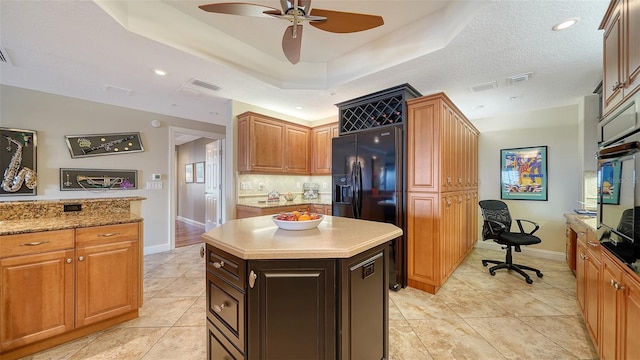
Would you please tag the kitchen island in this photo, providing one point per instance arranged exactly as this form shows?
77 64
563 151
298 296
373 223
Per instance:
313 294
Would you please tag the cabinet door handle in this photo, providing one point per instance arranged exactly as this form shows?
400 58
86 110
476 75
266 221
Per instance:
612 282
109 234
80 258
202 252
219 308
252 279
218 265
619 287
69 260
35 243
593 244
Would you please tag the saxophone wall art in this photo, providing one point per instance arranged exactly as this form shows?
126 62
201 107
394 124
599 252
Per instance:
18 159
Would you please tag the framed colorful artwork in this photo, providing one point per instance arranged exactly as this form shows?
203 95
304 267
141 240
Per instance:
523 173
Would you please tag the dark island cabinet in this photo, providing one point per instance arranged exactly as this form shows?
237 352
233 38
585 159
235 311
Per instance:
297 309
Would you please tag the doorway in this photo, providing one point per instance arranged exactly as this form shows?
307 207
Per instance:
201 193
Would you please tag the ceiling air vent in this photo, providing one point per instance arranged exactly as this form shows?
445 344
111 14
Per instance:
519 78
205 85
4 56
485 86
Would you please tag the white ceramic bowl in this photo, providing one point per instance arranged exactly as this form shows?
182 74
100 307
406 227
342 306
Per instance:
297 225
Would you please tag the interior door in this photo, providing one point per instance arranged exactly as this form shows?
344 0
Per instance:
213 185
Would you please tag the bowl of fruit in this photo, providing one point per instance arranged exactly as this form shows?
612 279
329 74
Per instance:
289 197
297 220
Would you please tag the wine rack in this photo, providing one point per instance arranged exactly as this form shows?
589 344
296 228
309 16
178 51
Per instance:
383 108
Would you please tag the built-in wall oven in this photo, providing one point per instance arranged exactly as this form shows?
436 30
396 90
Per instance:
618 188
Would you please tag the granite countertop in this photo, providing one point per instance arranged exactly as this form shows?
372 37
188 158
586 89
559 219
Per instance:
588 220
9 227
270 204
335 237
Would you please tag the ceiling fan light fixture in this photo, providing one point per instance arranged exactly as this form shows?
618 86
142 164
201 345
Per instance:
564 24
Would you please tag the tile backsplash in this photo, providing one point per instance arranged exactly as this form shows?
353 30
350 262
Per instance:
254 185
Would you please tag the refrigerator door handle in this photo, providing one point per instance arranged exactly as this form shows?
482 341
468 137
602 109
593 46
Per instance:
354 190
359 191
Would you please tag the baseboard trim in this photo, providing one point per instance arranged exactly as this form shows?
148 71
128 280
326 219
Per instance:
539 253
148 250
190 221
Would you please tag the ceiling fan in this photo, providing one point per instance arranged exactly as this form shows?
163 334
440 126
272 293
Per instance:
297 12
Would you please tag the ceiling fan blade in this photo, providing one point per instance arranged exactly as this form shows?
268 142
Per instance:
291 45
345 22
243 9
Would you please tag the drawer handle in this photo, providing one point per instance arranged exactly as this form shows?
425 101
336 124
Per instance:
593 244
35 243
219 308
218 265
109 234
202 252
252 279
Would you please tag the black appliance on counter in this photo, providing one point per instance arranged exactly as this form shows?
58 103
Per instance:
367 180
619 198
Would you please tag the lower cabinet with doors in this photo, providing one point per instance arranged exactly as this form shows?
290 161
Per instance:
62 284
620 310
297 309
588 269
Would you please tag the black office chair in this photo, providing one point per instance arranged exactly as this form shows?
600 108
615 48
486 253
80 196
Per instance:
497 226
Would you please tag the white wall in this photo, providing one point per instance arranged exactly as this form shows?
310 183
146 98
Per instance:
558 130
54 116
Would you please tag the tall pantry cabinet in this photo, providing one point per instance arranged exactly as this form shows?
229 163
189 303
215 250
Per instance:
442 190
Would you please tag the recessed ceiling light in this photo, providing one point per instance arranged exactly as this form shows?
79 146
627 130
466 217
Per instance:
565 24
160 72
299 107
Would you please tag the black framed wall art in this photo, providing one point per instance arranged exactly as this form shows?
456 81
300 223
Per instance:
103 144
98 179
18 162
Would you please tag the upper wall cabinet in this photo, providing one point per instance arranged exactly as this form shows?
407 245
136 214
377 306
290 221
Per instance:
321 148
621 49
269 145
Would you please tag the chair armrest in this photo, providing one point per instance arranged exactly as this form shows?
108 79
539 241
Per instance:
495 227
519 221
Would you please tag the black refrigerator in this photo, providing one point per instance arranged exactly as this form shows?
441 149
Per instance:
367 180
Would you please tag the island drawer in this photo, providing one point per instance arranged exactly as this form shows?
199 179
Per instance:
226 310
107 234
227 266
219 347
34 243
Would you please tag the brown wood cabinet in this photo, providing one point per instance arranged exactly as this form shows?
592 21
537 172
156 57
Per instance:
321 148
442 182
620 310
270 145
300 304
588 267
107 277
36 289
63 284
621 49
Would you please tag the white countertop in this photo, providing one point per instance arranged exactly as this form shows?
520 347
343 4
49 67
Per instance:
335 237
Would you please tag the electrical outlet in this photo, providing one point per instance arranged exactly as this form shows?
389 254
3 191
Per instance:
244 185
298 186
324 185
260 186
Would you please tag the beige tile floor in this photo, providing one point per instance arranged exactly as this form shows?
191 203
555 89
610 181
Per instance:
473 316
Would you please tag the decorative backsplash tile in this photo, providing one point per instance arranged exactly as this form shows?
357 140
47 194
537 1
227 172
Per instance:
250 185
